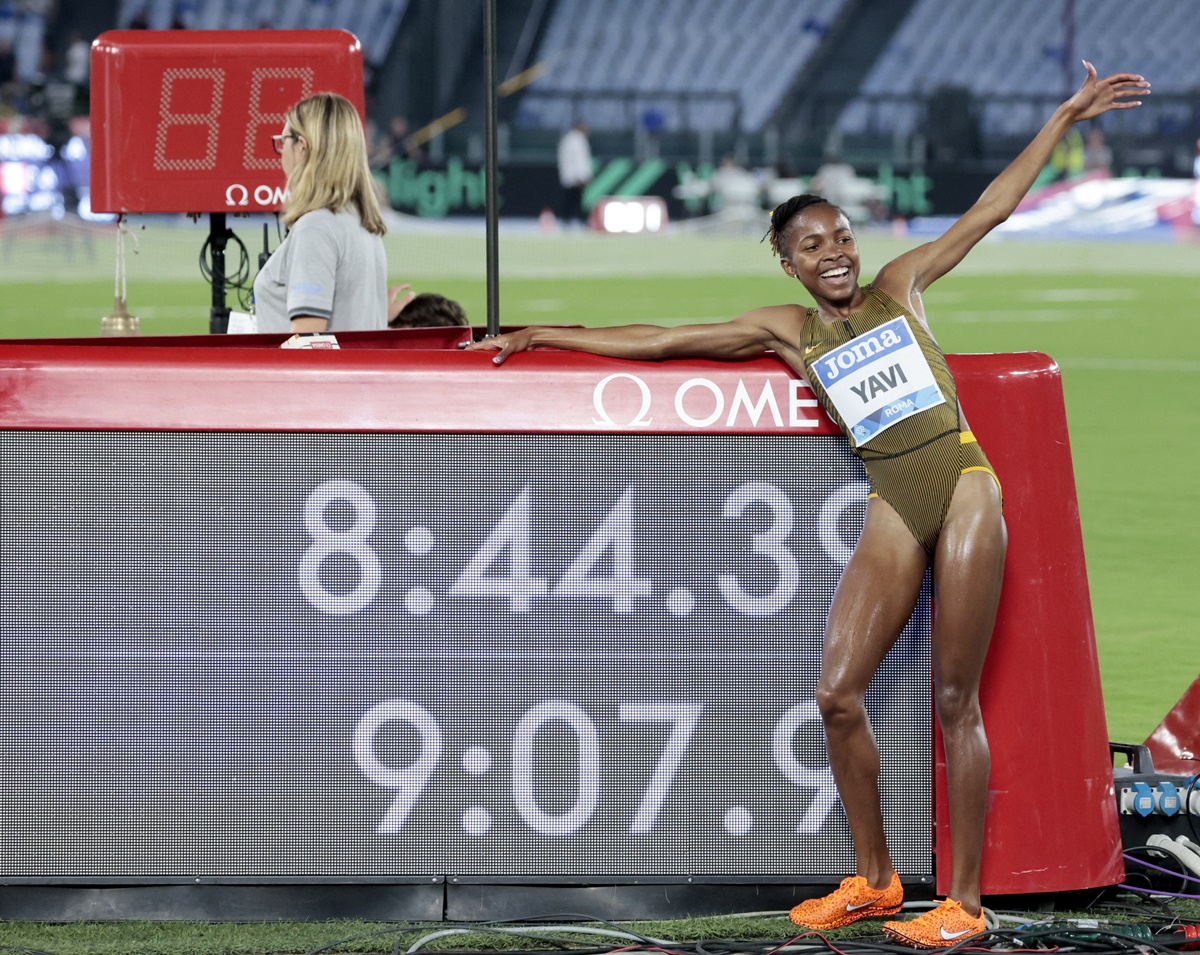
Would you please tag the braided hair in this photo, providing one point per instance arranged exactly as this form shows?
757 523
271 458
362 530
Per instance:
785 212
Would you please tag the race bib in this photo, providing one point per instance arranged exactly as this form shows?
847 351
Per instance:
878 379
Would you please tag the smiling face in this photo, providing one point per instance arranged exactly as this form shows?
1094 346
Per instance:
819 249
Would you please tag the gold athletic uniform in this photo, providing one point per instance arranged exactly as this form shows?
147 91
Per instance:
915 464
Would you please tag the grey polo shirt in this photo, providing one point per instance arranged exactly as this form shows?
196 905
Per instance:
329 267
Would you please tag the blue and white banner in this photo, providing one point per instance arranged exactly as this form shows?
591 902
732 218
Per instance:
878 379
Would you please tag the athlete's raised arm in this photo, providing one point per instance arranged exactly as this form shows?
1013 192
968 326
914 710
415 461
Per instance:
916 270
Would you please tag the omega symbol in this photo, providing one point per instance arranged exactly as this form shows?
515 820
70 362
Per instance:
638 419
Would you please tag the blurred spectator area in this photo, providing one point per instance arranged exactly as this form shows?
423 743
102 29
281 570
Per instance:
897 81
798 79
672 64
23 25
1016 59
374 22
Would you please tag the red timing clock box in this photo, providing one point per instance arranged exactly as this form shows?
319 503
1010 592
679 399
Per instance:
182 120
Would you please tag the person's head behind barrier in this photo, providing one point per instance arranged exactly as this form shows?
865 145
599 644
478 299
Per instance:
429 310
329 168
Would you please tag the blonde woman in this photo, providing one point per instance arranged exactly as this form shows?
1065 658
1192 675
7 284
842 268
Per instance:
330 273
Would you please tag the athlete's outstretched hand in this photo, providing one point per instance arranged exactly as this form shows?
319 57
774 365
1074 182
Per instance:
507 344
1097 96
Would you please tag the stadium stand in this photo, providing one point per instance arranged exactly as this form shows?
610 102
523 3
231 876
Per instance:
696 81
1020 49
696 64
23 28
374 22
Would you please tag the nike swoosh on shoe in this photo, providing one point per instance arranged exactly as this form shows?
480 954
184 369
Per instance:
861 905
951 936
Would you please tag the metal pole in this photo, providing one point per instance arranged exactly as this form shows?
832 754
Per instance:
1068 54
218 321
490 162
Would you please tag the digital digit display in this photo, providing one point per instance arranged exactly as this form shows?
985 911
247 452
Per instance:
182 120
404 656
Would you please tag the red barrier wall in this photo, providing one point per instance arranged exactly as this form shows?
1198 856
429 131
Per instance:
1052 821
1052 818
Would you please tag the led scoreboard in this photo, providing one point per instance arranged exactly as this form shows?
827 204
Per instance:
404 618
182 120
583 650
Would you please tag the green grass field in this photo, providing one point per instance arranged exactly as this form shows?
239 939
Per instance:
1120 319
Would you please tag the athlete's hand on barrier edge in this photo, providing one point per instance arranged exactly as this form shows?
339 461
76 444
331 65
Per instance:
506 344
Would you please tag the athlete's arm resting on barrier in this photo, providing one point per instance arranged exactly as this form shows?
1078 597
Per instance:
747 336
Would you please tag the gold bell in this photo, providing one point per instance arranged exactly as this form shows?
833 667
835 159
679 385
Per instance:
120 323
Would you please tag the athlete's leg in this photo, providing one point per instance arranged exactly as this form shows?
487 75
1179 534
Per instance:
873 602
967 571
